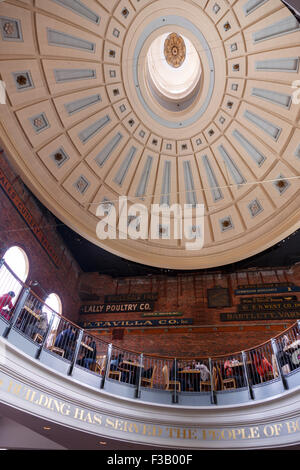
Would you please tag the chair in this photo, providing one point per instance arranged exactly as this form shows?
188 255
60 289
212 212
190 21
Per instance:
38 338
206 385
268 375
274 365
55 349
148 381
228 383
114 374
99 364
170 383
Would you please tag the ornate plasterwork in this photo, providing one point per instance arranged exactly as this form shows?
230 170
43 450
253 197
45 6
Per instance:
174 50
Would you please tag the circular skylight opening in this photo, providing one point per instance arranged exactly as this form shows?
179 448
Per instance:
174 69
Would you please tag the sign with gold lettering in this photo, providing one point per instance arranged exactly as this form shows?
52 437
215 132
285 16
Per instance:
118 308
266 285
94 325
267 290
31 399
269 306
253 316
28 218
256 300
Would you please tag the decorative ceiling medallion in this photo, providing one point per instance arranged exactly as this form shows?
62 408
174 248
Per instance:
175 50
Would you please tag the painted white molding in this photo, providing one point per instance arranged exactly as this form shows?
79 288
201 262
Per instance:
31 387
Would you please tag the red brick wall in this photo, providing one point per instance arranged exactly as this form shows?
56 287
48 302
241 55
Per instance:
187 294
14 231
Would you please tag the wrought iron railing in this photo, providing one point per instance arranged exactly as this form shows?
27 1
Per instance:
37 322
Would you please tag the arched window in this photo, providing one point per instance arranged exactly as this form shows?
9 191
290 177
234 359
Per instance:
17 261
53 301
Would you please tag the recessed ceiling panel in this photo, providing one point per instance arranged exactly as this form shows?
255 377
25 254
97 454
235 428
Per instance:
174 124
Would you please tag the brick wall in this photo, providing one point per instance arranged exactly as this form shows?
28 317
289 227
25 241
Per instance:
62 280
187 294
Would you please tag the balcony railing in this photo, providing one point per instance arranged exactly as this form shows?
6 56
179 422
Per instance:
39 330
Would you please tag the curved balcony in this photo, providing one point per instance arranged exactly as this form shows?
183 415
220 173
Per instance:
244 382
257 373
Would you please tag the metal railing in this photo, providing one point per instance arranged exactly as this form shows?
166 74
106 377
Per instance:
31 317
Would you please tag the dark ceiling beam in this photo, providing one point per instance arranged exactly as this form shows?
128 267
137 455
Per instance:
293 6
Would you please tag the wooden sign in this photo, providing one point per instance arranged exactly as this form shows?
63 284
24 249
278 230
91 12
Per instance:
167 322
118 308
254 316
256 300
218 297
162 314
266 285
269 306
150 296
267 290
28 218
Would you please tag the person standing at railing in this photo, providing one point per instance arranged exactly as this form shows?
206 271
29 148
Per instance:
6 301
41 325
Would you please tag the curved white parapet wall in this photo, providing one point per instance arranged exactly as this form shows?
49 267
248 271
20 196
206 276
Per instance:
30 387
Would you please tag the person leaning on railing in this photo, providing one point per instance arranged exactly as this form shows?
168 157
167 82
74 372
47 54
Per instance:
6 301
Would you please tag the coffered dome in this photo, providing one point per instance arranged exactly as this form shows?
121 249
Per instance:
94 111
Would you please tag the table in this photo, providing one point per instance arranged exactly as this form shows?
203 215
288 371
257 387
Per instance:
238 372
130 370
32 312
191 378
130 364
87 346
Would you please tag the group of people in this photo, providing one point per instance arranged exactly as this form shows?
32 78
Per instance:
33 325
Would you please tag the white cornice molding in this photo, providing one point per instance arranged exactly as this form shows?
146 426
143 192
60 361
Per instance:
274 420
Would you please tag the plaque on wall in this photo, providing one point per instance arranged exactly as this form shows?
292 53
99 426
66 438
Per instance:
218 297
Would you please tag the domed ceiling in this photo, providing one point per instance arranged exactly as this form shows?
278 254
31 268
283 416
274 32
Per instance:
165 102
